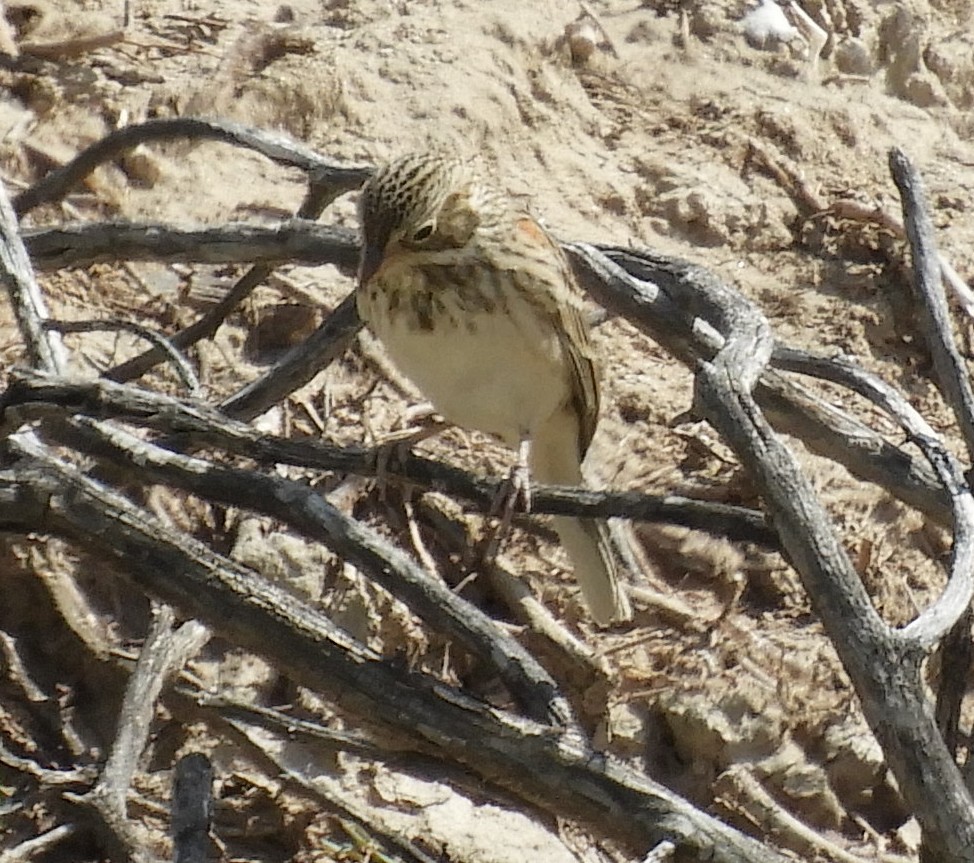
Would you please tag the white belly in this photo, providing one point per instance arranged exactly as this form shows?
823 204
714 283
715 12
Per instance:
500 374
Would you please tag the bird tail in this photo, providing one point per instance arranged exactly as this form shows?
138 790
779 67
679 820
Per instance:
555 461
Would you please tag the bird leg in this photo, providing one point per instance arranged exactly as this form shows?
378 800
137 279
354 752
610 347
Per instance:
517 487
514 494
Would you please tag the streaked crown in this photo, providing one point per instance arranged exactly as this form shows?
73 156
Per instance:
414 201
409 190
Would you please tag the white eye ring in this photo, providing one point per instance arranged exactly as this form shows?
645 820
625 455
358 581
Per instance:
423 233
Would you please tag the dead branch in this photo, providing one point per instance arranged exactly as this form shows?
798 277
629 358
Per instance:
885 669
296 241
180 363
192 424
325 183
936 621
824 428
706 325
951 617
656 294
356 820
64 48
546 630
278 148
164 652
44 349
739 789
17 671
31 849
535 762
82 776
953 378
299 365
305 510
280 722
660 853
192 807
956 658
811 206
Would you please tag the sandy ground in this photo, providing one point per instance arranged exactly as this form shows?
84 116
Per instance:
651 141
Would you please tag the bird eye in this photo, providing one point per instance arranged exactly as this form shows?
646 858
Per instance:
424 233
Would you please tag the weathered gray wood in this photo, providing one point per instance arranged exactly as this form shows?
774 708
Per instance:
555 771
951 372
631 283
277 147
884 666
307 511
294 241
44 348
193 424
192 808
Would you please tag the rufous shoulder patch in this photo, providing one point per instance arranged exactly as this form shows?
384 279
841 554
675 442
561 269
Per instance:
533 231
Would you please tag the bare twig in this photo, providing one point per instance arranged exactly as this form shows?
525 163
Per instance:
811 206
305 510
326 179
515 592
296 241
44 349
164 652
17 671
32 849
738 789
75 607
657 293
228 708
886 670
82 776
325 183
355 819
299 365
660 853
953 378
181 364
533 761
195 424
192 807
278 148
952 613
937 620
64 48
956 658
824 428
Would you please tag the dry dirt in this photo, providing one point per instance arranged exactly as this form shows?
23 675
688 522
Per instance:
649 142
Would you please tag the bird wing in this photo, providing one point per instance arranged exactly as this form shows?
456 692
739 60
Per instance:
572 335
575 345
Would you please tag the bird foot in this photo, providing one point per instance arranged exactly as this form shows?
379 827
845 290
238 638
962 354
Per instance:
513 495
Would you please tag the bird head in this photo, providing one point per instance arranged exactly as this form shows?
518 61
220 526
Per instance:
418 203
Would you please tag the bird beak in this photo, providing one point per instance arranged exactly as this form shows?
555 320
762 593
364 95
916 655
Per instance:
372 258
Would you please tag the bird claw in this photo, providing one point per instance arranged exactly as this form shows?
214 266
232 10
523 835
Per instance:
513 495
